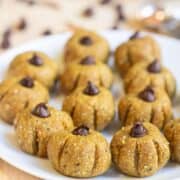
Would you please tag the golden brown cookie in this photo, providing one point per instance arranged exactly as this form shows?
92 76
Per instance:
152 73
16 94
139 150
91 106
80 153
78 74
150 105
34 127
137 48
36 65
172 133
86 43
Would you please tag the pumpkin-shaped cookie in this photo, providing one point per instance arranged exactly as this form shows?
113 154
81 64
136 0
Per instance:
36 65
78 74
150 105
90 105
139 150
152 73
86 43
137 48
34 126
172 133
18 93
80 153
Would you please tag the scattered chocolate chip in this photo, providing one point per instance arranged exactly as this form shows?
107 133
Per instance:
91 89
86 40
154 67
88 12
22 24
135 35
7 33
41 110
88 60
114 27
47 32
138 130
81 130
120 13
6 39
103 2
120 17
36 60
147 95
27 82
29 2
5 43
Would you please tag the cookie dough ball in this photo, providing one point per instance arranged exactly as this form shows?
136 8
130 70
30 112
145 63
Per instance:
34 127
172 133
17 94
85 43
136 49
80 153
139 150
36 65
150 105
152 73
78 74
91 106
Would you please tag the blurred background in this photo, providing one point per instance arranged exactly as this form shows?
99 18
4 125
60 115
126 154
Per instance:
24 20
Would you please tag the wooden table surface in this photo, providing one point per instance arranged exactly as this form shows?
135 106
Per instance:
8 172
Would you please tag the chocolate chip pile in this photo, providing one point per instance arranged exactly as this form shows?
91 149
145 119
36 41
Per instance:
71 138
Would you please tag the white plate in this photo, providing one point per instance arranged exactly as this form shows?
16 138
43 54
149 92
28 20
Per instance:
10 152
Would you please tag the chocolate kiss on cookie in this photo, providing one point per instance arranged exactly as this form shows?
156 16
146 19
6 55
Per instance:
138 130
91 89
81 130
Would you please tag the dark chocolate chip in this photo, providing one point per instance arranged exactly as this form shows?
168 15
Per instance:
135 35
29 2
7 33
121 17
103 2
5 44
118 7
91 89
81 130
36 60
22 24
154 67
88 12
147 95
6 39
114 27
41 110
86 40
138 130
47 32
27 82
88 60
120 13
